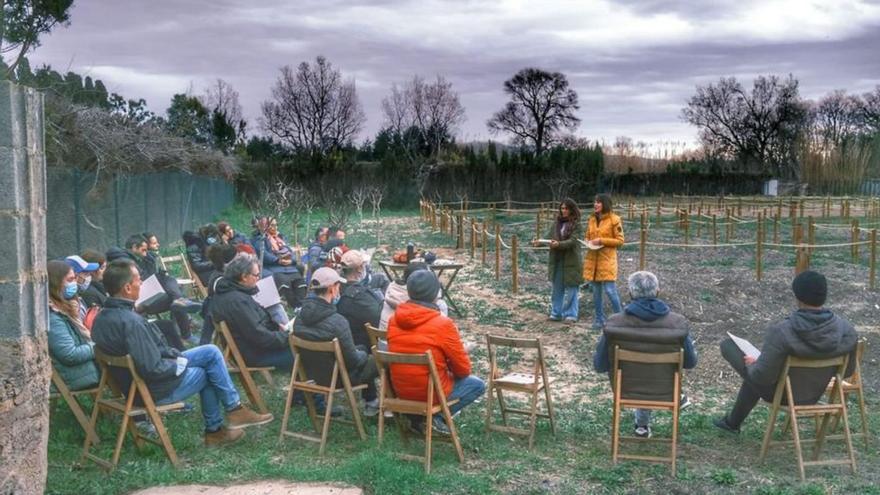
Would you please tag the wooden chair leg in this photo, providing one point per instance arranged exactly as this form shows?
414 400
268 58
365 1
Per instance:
768 434
533 416
429 425
502 405
164 438
287 406
447 416
253 393
326 429
863 412
615 424
797 443
490 404
267 375
404 434
550 411
312 410
355 414
93 421
848 436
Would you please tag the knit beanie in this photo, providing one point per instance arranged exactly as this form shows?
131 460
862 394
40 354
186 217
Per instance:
423 286
413 267
810 287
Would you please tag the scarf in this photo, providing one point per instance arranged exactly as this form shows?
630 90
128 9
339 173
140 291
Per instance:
564 228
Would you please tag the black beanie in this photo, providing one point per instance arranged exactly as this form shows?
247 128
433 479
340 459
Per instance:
423 286
810 288
411 268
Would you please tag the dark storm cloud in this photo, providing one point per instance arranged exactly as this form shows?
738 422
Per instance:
633 62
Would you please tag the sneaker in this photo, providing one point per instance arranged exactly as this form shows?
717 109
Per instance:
371 408
570 321
439 426
187 305
388 415
554 318
223 436
146 428
643 431
321 404
684 401
242 417
724 425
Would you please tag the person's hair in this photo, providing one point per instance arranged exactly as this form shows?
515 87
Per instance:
239 265
574 213
57 270
605 199
222 227
148 235
134 241
190 238
92 256
220 254
321 291
117 274
320 230
208 230
331 231
643 284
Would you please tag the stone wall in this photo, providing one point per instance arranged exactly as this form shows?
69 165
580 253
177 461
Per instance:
24 360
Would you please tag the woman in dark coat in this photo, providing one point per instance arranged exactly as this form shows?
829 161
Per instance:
565 262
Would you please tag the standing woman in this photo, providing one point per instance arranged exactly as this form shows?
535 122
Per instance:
565 262
604 235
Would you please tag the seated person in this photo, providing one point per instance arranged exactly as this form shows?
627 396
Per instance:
279 259
95 294
358 302
70 346
83 271
416 327
317 256
649 316
228 235
810 332
261 341
170 375
319 322
196 248
397 294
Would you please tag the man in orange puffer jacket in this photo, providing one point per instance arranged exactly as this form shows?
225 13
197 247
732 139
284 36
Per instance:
417 326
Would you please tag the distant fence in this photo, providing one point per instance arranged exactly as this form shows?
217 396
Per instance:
80 215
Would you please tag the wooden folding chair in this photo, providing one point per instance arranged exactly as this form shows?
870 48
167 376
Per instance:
197 284
186 282
375 335
836 408
124 403
666 363
70 397
326 386
529 383
235 363
388 401
853 385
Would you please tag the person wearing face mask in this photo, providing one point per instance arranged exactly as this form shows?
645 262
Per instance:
95 294
278 258
359 303
604 236
320 322
262 342
83 272
70 346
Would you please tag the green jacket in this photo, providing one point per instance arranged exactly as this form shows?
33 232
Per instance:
73 355
569 251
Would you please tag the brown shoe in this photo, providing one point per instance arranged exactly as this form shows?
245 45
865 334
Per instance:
223 436
244 417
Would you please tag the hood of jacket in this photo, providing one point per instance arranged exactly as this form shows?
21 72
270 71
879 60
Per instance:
224 285
817 332
115 253
410 315
315 310
396 295
647 308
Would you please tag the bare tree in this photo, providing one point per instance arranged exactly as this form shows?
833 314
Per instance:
338 208
541 107
358 196
313 109
221 96
560 185
376 193
432 110
869 110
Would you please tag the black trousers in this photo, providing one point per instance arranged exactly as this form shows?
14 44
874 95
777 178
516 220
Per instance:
749 393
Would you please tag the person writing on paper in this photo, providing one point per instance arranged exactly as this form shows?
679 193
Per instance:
811 331
170 375
604 236
564 265
262 342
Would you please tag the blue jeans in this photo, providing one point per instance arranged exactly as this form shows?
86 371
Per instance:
466 390
281 359
563 299
206 375
610 289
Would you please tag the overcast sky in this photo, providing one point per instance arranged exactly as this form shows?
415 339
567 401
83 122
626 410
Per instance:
633 63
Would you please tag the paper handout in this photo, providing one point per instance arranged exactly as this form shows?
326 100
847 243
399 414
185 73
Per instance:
151 290
745 346
268 293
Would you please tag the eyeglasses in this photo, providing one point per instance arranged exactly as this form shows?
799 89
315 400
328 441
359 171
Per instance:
252 274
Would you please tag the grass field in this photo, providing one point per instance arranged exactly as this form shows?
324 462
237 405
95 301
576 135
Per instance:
577 459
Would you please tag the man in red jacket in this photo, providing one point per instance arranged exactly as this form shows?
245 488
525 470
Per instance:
417 326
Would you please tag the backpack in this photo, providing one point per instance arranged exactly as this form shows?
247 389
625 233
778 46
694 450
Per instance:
91 314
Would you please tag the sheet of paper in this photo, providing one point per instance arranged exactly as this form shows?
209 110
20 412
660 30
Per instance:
268 293
542 241
151 290
745 346
181 365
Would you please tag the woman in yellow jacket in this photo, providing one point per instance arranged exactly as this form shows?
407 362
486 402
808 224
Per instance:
604 236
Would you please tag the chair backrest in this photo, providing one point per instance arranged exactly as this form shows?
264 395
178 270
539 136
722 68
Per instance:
647 375
119 371
386 359
493 341
375 334
314 358
809 377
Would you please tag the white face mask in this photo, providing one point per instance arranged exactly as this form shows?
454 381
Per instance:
84 285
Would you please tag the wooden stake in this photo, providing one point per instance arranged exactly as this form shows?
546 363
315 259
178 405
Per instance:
484 239
854 238
714 229
497 252
459 244
473 237
776 228
514 262
758 246
643 239
873 256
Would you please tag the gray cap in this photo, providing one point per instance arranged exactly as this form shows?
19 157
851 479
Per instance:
422 285
325 277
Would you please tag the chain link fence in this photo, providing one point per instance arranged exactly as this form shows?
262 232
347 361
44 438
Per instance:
84 214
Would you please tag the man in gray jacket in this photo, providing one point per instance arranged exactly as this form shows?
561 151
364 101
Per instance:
810 332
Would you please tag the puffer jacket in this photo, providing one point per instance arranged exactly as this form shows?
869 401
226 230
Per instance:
199 263
318 321
415 329
72 353
395 295
600 265
568 256
252 328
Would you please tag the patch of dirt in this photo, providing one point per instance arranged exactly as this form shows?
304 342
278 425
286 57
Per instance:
258 488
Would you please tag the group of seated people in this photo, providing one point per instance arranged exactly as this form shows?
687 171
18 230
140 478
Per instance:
343 295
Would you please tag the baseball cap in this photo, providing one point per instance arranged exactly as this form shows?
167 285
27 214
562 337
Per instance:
352 259
325 277
80 265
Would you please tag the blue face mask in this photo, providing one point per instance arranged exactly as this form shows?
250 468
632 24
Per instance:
335 300
211 240
70 290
